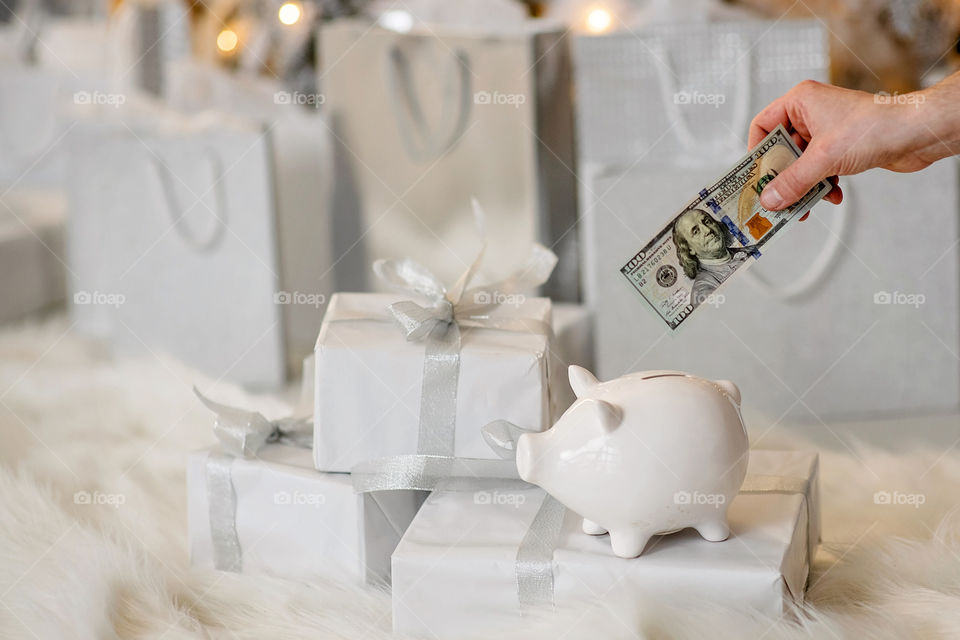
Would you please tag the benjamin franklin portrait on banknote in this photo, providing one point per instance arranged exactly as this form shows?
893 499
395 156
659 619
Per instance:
705 251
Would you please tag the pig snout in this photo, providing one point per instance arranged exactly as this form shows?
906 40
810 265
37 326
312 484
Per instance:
525 462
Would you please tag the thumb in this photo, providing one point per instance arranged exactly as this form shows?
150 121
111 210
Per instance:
794 181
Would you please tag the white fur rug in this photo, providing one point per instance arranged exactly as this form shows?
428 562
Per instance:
74 419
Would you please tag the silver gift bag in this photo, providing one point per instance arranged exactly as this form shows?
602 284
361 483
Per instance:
430 118
685 93
852 313
188 235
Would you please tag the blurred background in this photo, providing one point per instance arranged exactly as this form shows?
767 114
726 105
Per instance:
197 178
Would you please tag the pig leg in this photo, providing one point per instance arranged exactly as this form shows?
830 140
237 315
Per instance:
714 530
592 528
629 543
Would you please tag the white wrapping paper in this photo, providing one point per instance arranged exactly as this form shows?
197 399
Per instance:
368 381
295 522
471 538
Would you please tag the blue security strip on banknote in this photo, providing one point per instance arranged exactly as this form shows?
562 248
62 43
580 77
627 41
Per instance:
717 233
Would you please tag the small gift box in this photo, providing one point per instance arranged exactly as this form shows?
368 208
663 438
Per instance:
475 538
422 372
32 277
275 514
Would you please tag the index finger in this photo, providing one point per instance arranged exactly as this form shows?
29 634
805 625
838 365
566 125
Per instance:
767 120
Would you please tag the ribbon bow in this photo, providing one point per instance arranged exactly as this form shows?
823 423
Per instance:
243 433
459 303
438 324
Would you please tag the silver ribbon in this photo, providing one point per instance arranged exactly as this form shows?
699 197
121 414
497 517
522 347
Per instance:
534 564
433 473
756 483
424 472
439 324
241 434
534 560
533 568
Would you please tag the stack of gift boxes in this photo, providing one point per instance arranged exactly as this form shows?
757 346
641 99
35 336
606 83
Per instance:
402 387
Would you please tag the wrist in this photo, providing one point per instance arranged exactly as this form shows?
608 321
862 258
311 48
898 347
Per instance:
933 118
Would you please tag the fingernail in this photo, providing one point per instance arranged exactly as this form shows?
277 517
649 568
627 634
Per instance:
771 199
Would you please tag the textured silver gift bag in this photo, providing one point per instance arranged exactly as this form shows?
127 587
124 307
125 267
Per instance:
32 127
430 118
686 92
181 240
853 313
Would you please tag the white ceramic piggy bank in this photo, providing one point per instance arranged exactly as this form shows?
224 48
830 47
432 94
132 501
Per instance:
648 453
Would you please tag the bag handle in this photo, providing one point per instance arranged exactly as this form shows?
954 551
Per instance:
807 282
421 143
740 119
177 213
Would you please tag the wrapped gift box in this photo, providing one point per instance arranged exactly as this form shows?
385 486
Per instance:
32 275
295 522
368 381
455 568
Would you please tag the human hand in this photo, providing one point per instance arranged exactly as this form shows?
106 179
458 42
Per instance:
842 132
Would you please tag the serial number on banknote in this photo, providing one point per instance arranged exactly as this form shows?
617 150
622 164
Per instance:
716 234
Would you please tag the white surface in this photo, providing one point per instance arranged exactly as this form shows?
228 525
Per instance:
74 419
295 522
368 381
454 541
831 354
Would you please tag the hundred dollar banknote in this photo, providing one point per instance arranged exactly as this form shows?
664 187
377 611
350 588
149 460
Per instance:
719 232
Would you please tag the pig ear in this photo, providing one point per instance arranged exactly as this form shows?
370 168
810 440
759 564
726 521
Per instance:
607 415
581 380
732 390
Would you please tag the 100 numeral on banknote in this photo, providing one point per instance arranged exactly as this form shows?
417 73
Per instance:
718 233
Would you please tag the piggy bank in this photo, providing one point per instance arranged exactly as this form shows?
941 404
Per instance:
648 453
